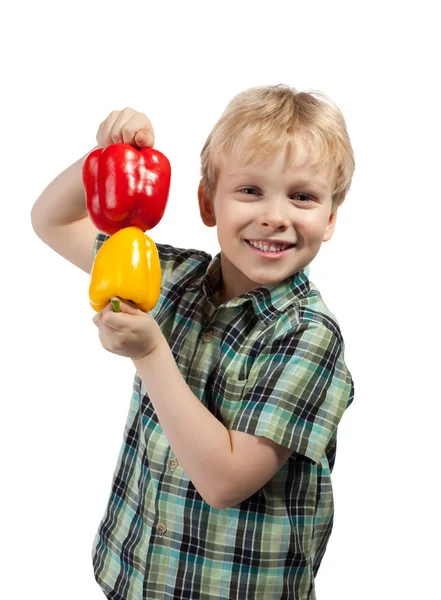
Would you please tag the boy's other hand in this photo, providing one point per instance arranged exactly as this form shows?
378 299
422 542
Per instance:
130 332
126 126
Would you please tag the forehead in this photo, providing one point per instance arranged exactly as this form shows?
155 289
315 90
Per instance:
301 159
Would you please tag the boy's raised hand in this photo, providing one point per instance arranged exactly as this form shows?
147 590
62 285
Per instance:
126 126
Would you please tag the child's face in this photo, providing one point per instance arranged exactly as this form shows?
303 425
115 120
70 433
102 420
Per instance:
269 199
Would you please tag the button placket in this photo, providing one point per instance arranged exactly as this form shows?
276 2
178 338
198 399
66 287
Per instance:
161 529
173 463
208 336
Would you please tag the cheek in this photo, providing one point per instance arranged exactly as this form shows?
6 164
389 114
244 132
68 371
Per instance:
230 218
313 226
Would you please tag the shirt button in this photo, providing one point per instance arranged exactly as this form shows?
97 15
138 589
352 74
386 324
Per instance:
173 463
161 529
208 336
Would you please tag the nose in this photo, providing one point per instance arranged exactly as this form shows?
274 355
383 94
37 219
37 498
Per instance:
275 214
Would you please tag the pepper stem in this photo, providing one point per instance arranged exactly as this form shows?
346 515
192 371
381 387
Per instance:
115 305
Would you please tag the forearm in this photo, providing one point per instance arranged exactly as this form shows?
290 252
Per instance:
200 442
63 200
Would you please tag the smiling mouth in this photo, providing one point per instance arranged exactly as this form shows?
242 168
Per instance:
269 252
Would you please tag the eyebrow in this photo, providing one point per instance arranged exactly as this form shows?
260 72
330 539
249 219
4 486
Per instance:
302 182
306 182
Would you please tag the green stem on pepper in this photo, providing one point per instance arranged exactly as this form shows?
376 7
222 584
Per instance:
115 305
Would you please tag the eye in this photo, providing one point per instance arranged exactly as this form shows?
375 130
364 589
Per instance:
306 198
249 191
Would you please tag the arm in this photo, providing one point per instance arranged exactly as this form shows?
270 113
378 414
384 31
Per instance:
62 201
59 217
226 467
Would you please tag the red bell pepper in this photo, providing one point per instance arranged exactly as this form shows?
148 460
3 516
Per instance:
126 187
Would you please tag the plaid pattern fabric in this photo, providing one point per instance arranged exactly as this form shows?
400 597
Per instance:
270 363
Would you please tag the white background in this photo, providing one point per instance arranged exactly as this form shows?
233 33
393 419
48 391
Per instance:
64 399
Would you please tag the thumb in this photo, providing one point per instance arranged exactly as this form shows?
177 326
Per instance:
144 138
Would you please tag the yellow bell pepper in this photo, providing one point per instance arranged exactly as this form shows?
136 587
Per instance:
127 265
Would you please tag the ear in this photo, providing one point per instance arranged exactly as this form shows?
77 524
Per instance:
206 207
330 226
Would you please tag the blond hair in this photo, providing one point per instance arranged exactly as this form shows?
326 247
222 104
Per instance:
271 118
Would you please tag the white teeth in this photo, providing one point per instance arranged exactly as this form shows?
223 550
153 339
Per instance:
265 247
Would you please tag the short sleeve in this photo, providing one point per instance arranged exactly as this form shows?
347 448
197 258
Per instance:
297 391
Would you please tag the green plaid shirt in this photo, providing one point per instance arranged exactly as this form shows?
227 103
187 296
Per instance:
270 363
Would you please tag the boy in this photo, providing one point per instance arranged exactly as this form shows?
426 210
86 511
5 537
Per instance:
222 488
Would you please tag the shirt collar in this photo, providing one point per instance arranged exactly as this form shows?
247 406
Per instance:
268 301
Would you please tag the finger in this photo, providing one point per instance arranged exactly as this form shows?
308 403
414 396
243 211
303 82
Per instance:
138 130
108 307
99 135
103 137
105 340
115 134
112 321
144 133
98 318
124 117
145 138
